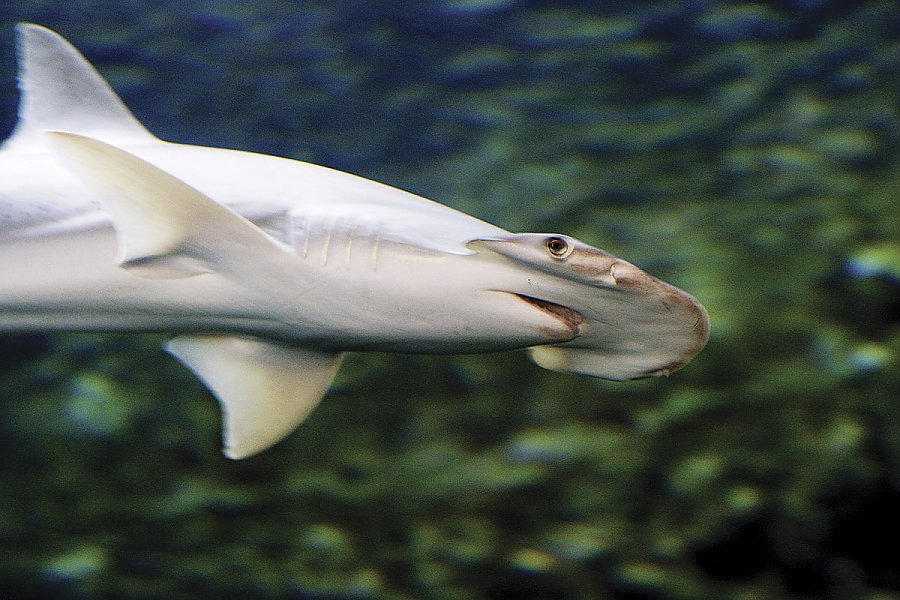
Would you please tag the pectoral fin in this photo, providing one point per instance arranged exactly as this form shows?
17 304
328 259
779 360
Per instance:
266 390
166 228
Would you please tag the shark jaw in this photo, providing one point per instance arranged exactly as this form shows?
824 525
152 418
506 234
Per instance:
570 319
266 270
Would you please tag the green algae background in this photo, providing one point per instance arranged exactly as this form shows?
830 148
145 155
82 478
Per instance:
746 152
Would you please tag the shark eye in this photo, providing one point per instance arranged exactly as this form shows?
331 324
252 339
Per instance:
557 247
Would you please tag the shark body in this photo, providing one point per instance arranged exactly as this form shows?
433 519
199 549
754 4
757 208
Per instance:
267 269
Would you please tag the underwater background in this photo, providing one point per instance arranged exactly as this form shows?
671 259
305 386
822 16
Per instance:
747 152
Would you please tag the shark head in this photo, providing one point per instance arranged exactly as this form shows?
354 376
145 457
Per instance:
626 323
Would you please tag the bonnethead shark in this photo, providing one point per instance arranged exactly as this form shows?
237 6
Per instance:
267 270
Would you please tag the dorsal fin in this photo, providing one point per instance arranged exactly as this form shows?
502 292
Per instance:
61 91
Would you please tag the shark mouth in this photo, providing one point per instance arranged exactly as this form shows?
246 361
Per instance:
568 317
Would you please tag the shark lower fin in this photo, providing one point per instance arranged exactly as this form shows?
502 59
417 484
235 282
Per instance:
266 390
166 228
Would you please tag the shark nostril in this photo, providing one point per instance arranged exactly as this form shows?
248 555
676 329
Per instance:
625 275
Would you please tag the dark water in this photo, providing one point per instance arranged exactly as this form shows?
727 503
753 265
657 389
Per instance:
749 153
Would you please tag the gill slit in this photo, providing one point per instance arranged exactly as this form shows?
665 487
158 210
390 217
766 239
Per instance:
376 245
326 247
350 240
307 227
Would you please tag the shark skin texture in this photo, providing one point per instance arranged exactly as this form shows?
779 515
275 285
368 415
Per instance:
267 270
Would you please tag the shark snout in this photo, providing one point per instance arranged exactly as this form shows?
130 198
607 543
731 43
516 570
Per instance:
634 326
623 322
